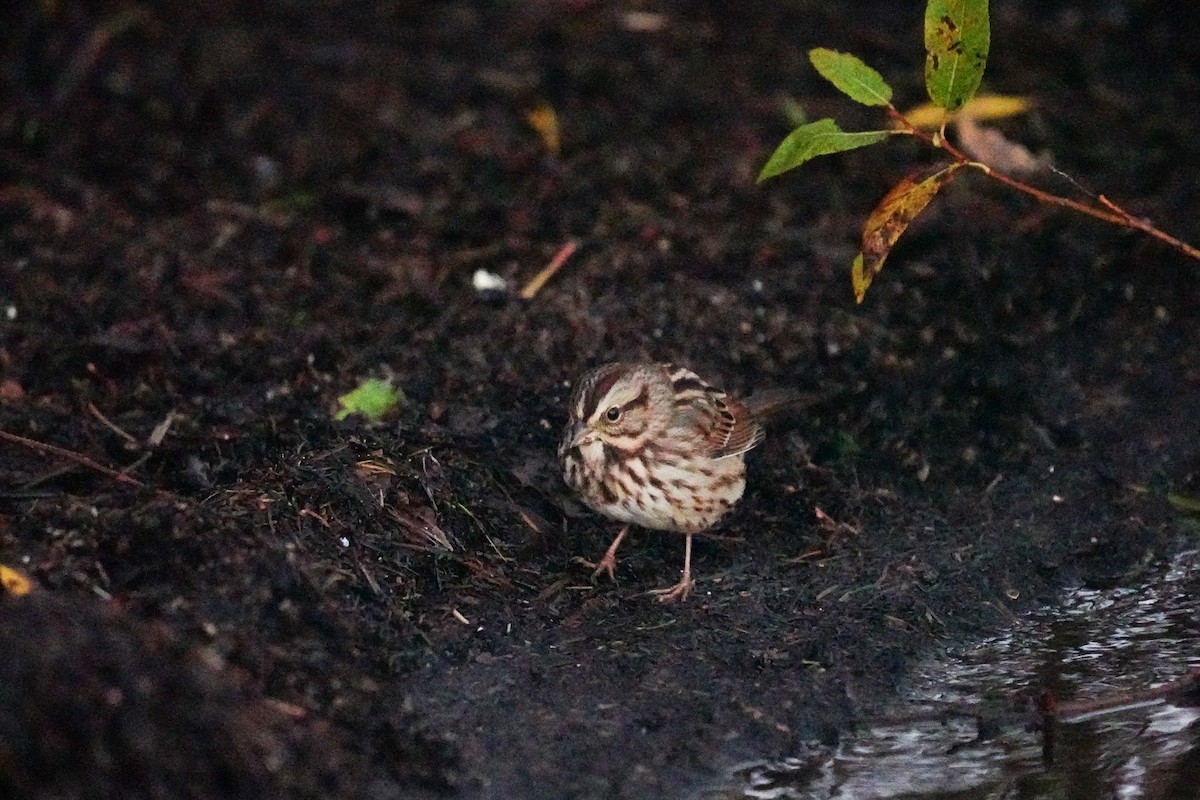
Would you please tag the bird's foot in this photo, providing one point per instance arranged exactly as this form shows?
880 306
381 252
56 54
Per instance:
609 562
608 565
677 592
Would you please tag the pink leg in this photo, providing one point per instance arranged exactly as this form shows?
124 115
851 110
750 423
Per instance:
680 590
609 562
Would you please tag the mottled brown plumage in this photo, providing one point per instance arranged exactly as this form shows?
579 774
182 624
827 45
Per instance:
654 445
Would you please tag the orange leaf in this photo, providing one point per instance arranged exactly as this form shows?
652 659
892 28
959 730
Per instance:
14 582
890 219
544 120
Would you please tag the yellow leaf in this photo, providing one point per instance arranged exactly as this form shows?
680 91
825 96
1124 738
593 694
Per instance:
928 116
13 582
544 120
994 106
890 219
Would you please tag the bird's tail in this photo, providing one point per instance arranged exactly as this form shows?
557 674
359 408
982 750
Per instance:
769 404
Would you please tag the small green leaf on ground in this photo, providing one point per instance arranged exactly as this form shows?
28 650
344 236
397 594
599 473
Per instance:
820 138
957 38
890 219
851 76
373 399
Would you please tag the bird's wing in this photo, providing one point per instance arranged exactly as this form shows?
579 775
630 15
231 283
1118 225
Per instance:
735 430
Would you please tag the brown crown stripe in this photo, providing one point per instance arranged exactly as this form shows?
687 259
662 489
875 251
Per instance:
593 392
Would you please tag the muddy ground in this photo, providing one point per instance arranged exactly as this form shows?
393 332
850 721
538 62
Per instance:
219 217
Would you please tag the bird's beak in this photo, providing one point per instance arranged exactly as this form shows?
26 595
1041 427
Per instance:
580 433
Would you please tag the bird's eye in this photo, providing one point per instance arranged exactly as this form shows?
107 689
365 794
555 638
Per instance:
613 414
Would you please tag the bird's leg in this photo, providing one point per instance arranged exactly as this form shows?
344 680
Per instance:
609 562
680 590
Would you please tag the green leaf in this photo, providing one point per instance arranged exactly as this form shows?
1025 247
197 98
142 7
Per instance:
891 218
851 76
820 138
373 399
1186 504
957 37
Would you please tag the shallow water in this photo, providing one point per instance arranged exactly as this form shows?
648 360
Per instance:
1092 644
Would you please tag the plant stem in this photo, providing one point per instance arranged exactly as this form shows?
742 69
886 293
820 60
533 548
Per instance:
1111 213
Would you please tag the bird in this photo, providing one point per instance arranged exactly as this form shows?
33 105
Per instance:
656 446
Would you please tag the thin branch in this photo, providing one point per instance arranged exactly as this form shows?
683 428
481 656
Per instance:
538 281
112 426
79 458
1111 213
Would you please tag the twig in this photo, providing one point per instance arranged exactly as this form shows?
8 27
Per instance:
1111 213
79 458
534 286
112 426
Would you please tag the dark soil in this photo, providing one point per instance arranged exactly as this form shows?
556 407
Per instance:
226 215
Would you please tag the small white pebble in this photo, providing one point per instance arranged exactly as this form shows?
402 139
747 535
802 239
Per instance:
345 541
484 281
10 312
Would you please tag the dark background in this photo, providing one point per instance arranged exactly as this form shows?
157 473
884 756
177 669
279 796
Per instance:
227 215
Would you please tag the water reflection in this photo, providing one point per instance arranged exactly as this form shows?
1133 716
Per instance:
1092 644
